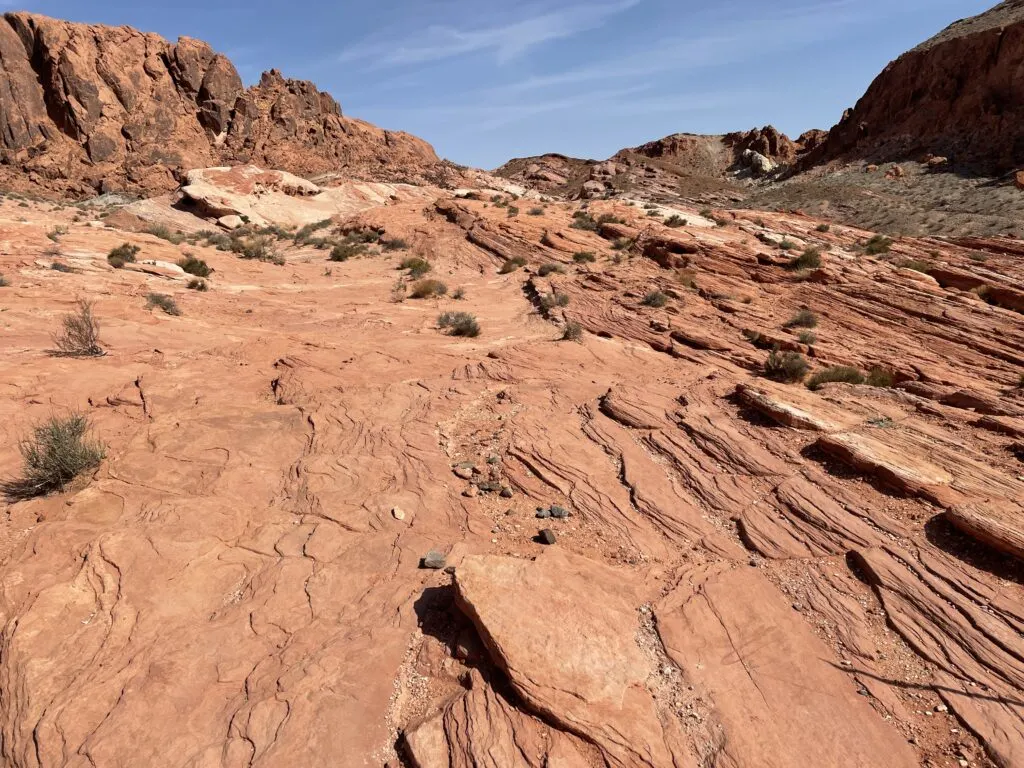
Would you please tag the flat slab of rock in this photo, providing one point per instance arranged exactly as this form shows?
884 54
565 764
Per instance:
794 407
563 628
779 700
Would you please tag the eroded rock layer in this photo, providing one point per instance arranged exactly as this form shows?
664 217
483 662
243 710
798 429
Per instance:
89 107
326 532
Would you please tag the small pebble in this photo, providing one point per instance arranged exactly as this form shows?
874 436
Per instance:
506 493
398 514
433 560
470 492
559 513
450 570
543 514
547 536
464 472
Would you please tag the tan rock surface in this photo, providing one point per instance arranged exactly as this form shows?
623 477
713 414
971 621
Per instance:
233 587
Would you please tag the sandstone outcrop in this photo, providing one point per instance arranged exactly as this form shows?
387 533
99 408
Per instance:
958 95
88 107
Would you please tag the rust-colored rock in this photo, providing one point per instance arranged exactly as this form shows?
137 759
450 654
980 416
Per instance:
88 107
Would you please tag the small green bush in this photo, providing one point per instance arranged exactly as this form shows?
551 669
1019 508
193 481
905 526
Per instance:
198 284
915 264
459 293
58 266
257 248
785 366
122 255
572 331
79 335
3 282
879 377
164 302
417 267
535 212
164 233
655 299
512 211
675 220
877 244
394 244
545 239
802 319
554 300
609 218
823 228
809 259
622 244
808 337
511 265
583 220
584 257
459 324
787 245
305 233
58 451
842 373
194 266
550 268
425 289
345 250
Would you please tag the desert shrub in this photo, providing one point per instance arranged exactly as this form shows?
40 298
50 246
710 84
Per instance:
258 248
59 266
123 254
879 377
785 366
584 257
345 250
58 451
459 293
545 239
675 220
622 244
164 233
823 228
3 282
79 335
511 265
655 299
787 245
512 211
497 200
707 213
394 244
687 277
843 373
197 284
194 266
802 319
305 233
459 324
978 256
877 244
549 268
164 302
583 220
915 264
416 266
535 212
608 218
553 300
720 222
425 289
572 331
808 337
809 259
55 233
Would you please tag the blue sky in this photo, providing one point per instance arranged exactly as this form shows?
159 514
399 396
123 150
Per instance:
485 81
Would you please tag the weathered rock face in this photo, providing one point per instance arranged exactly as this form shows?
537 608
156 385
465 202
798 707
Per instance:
959 94
86 107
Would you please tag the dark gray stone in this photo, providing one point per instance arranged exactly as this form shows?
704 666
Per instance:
433 560
559 513
542 513
547 536
506 492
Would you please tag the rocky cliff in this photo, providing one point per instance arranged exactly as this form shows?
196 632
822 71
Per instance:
959 94
86 107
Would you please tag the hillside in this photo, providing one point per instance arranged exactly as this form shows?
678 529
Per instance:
87 108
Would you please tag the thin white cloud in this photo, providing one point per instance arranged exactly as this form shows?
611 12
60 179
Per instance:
506 40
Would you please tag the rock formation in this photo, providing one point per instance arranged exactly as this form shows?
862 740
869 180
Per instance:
86 107
959 95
